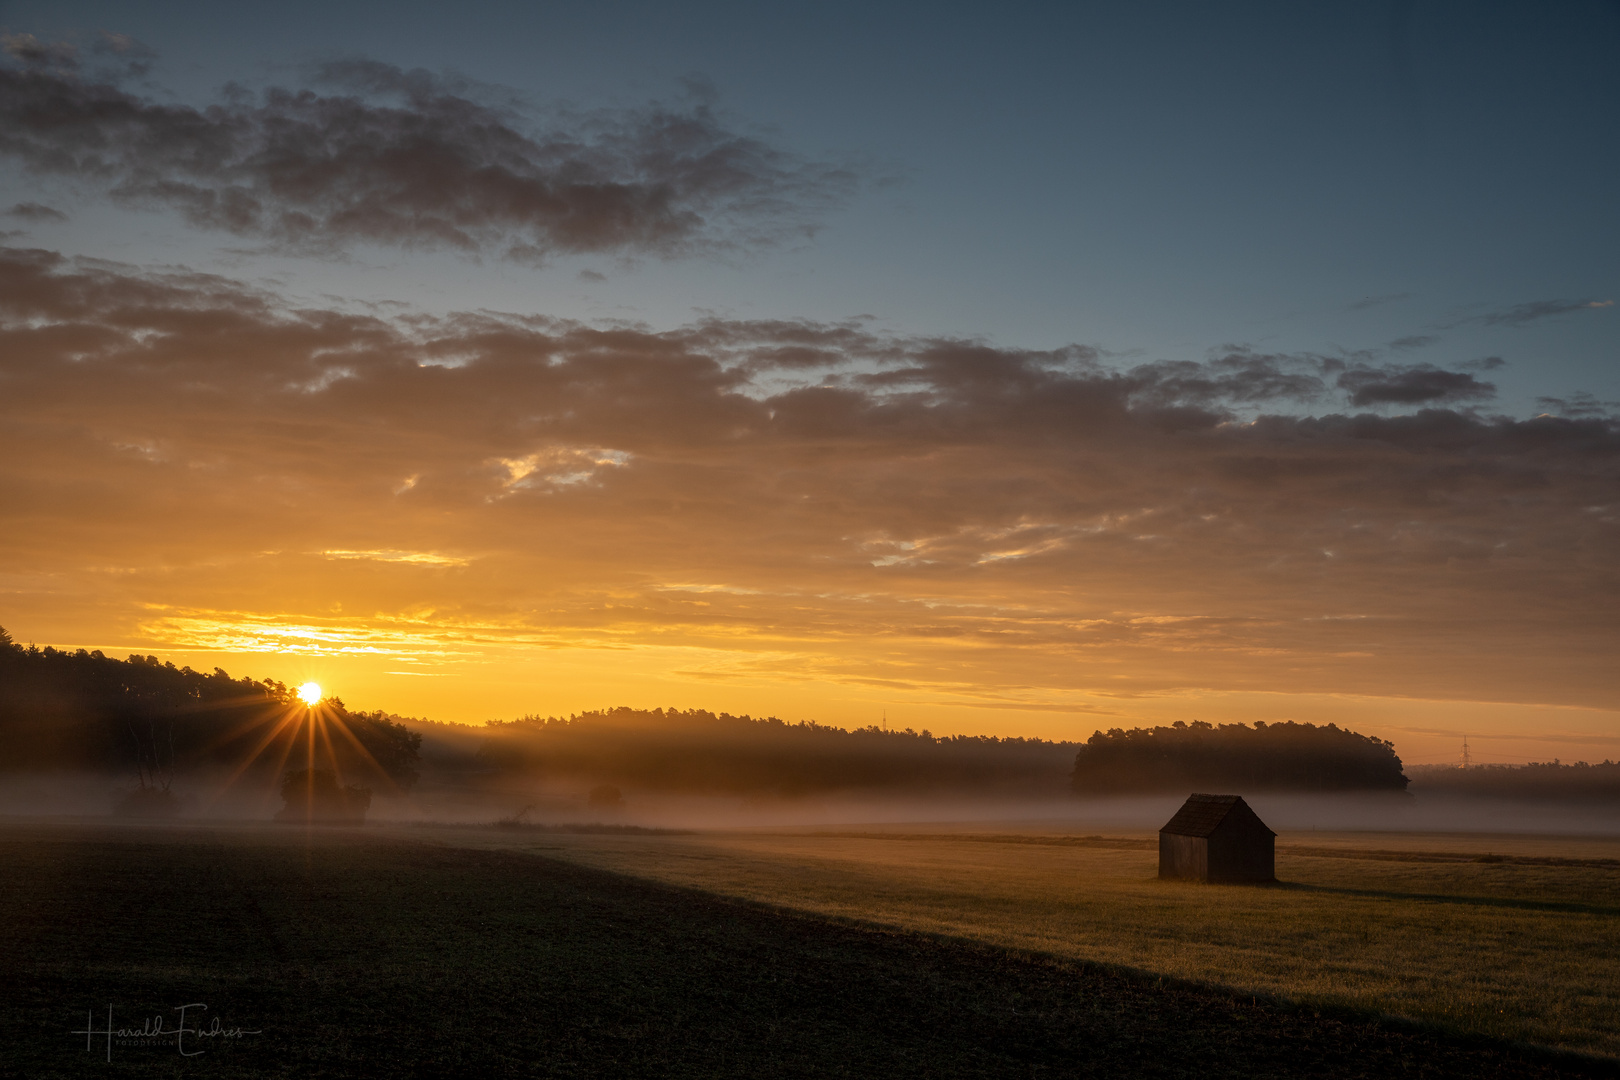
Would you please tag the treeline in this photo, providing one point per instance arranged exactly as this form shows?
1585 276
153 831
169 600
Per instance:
1549 781
718 753
151 721
1235 758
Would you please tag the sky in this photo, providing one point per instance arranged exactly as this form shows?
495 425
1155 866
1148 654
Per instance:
1015 369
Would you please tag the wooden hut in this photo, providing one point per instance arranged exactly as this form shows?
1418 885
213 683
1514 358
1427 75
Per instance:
1217 838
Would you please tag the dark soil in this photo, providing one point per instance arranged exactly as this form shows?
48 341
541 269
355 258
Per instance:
352 956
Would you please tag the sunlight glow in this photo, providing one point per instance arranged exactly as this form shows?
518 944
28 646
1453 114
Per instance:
310 694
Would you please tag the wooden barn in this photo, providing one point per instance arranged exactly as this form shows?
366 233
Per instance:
1217 838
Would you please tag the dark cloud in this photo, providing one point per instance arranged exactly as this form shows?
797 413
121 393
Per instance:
33 211
1523 314
1238 376
119 56
1579 405
29 50
1415 341
407 158
1421 385
111 56
810 500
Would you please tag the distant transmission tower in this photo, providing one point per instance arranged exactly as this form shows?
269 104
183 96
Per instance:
1466 760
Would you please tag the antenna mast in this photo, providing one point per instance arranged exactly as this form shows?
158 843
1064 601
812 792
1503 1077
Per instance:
1466 759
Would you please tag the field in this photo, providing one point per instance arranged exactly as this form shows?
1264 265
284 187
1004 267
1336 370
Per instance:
403 952
1514 937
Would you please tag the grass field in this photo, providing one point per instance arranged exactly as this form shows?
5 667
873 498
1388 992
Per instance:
1524 945
375 954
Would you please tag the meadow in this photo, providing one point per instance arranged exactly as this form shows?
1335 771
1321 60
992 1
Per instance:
385 952
1507 936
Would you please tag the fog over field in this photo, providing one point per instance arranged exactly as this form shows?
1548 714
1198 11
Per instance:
1284 813
88 795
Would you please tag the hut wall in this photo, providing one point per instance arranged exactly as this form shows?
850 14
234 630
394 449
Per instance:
1183 857
1241 856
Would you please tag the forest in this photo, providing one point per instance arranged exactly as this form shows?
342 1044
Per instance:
1547 781
699 751
1235 757
151 721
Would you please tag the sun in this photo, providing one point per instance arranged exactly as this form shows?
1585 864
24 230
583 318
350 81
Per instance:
310 693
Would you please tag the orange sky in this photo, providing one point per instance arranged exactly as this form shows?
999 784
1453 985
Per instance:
477 516
469 401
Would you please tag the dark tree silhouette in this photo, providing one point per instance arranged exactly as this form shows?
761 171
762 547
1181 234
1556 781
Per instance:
394 748
1554 781
700 751
154 721
1235 757
316 796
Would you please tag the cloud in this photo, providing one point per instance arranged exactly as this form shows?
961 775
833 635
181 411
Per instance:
1415 341
29 50
112 56
946 514
33 211
1579 404
380 155
418 558
1421 385
1237 375
1524 314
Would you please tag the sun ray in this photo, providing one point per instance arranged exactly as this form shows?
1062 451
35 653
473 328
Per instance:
326 740
246 725
309 767
376 765
288 745
288 718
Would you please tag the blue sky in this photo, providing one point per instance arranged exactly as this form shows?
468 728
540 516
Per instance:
1158 180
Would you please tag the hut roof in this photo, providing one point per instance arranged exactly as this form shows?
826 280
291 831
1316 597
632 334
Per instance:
1201 815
